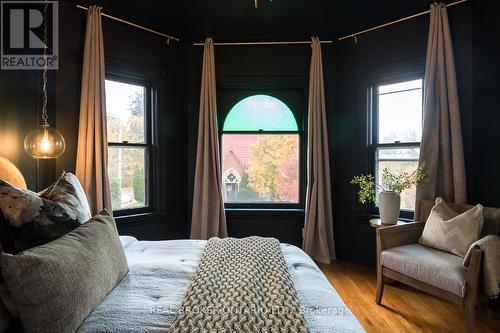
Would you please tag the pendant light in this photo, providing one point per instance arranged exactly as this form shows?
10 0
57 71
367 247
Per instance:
44 141
256 3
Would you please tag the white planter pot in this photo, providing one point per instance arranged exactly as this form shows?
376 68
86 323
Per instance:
389 206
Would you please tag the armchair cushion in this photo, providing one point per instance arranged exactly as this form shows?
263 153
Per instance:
437 268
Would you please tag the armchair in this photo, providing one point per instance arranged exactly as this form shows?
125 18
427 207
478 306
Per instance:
400 257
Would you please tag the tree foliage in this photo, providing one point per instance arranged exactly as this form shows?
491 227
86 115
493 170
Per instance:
126 165
288 181
138 185
116 194
273 167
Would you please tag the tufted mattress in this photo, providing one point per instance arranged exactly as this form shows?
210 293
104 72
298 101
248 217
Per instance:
147 298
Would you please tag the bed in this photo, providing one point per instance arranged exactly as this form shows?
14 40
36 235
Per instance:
160 272
147 298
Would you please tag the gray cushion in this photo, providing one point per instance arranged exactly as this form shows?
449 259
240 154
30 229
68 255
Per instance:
56 285
437 268
7 301
5 319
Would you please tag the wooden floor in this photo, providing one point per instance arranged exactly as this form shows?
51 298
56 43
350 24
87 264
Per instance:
403 309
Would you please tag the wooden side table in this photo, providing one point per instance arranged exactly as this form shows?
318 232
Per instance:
377 223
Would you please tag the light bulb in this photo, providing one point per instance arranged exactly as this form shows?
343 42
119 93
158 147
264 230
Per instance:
44 142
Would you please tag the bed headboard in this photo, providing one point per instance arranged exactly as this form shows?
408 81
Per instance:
10 173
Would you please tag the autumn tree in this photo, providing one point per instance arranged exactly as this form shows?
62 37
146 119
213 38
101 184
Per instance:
271 167
135 121
288 181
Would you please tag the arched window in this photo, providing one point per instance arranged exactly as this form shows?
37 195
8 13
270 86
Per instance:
260 113
261 143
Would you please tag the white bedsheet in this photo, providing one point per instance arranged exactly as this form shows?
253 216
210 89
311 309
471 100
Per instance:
160 272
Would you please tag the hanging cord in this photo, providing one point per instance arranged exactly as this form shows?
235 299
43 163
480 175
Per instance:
45 117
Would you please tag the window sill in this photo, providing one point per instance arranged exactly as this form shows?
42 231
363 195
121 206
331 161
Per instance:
264 211
139 218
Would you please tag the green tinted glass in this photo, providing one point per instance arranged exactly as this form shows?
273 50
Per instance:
260 112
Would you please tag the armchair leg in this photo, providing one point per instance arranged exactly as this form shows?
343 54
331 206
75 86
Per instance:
470 309
380 286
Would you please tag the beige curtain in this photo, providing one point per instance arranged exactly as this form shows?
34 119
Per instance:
318 227
441 148
208 218
92 150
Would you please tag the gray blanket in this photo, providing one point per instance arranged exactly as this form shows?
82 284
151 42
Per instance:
490 245
148 297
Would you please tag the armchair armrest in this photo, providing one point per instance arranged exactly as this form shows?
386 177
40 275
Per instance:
397 235
473 277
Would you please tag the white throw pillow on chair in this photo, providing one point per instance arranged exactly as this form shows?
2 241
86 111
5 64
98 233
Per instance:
450 231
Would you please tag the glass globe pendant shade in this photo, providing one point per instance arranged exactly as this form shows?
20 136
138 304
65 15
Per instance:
44 142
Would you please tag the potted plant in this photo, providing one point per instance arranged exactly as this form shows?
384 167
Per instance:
389 199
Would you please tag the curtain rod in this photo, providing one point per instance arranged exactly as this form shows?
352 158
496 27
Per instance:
140 27
302 42
354 35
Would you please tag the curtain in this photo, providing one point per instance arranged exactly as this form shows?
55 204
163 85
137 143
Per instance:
208 218
318 227
92 149
441 147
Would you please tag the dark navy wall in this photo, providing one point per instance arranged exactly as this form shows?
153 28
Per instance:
20 102
398 49
346 67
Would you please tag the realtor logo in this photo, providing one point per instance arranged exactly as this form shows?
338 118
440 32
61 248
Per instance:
22 35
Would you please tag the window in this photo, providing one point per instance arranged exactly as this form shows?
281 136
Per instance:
397 130
128 120
260 153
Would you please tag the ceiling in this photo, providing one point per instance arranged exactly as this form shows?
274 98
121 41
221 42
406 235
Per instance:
193 20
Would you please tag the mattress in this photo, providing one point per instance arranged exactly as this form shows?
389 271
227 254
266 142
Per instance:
147 298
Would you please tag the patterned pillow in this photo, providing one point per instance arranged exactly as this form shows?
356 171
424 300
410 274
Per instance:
449 231
68 191
38 218
56 285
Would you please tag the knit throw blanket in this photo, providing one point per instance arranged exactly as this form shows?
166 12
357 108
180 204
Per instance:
240 285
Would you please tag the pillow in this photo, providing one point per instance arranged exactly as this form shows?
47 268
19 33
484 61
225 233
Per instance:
8 310
449 231
5 319
36 219
58 284
68 190
7 301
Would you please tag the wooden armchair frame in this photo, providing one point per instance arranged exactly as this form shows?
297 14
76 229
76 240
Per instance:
398 235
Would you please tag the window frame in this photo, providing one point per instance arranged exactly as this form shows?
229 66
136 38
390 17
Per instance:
302 153
373 128
148 144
